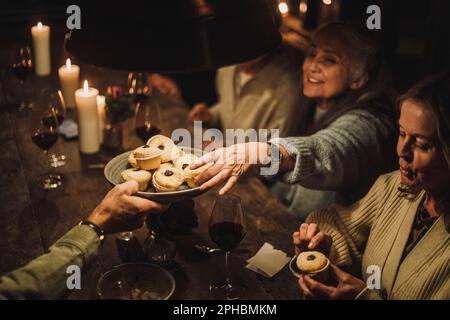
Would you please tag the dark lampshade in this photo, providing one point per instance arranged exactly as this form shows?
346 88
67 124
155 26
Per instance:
174 35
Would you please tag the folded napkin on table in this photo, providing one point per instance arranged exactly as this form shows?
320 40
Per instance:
69 129
268 261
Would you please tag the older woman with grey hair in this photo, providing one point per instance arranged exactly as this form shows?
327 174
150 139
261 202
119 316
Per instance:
347 136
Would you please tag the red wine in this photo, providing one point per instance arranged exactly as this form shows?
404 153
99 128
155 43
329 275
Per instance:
141 97
49 121
146 132
44 140
21 71
227 235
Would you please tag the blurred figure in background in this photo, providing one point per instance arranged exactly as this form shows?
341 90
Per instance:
264 93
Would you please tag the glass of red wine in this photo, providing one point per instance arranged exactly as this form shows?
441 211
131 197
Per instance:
44 133
227 229
138 86
146 116
52 100
146 120
21 66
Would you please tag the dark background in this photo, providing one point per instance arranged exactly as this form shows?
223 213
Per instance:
415 35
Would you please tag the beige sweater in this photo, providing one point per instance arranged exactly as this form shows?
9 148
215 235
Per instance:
269 100
374 232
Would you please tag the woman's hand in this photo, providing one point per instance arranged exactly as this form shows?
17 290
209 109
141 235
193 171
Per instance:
310 238
229 164
165 85
348 286
121 211
200 112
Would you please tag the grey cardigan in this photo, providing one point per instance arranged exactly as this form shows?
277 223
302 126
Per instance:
338 163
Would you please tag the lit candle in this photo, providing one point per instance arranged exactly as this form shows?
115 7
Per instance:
41 43
284 8
303 6
86 101
101 116
69 79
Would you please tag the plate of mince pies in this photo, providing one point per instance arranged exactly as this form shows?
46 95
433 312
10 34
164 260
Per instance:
161 168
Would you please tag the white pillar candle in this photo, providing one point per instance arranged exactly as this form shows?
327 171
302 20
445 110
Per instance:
41 42
69 79
101 116
86 101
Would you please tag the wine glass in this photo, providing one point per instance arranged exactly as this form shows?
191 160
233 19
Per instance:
44 133
146 122
138 86
21 66
227 229
54 102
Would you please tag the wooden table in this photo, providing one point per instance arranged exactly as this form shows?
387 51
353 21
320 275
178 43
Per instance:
32 219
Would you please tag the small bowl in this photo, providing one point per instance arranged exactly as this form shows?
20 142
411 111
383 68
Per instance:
136 281
320 275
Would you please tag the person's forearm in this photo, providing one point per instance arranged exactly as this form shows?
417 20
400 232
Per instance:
46 277
259 153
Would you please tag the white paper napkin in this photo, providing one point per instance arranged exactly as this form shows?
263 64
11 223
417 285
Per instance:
268 261
69 129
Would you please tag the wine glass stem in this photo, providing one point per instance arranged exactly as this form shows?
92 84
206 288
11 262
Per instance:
227 269
47 164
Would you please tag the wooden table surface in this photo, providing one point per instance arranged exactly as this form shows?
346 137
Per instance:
32 219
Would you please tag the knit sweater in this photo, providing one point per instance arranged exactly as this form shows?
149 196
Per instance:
339 163
374 232
269 100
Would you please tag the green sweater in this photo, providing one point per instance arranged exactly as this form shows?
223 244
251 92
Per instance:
46 276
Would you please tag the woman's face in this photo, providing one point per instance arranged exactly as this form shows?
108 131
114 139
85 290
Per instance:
422 163
326 73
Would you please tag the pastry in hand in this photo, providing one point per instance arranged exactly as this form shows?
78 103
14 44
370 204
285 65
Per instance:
184 161
167 179
184 164
147 157
142 177
314 264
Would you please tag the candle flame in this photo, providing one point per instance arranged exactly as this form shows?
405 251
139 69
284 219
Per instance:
303 7
68 64
283 7
327 2
39 25
86 87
